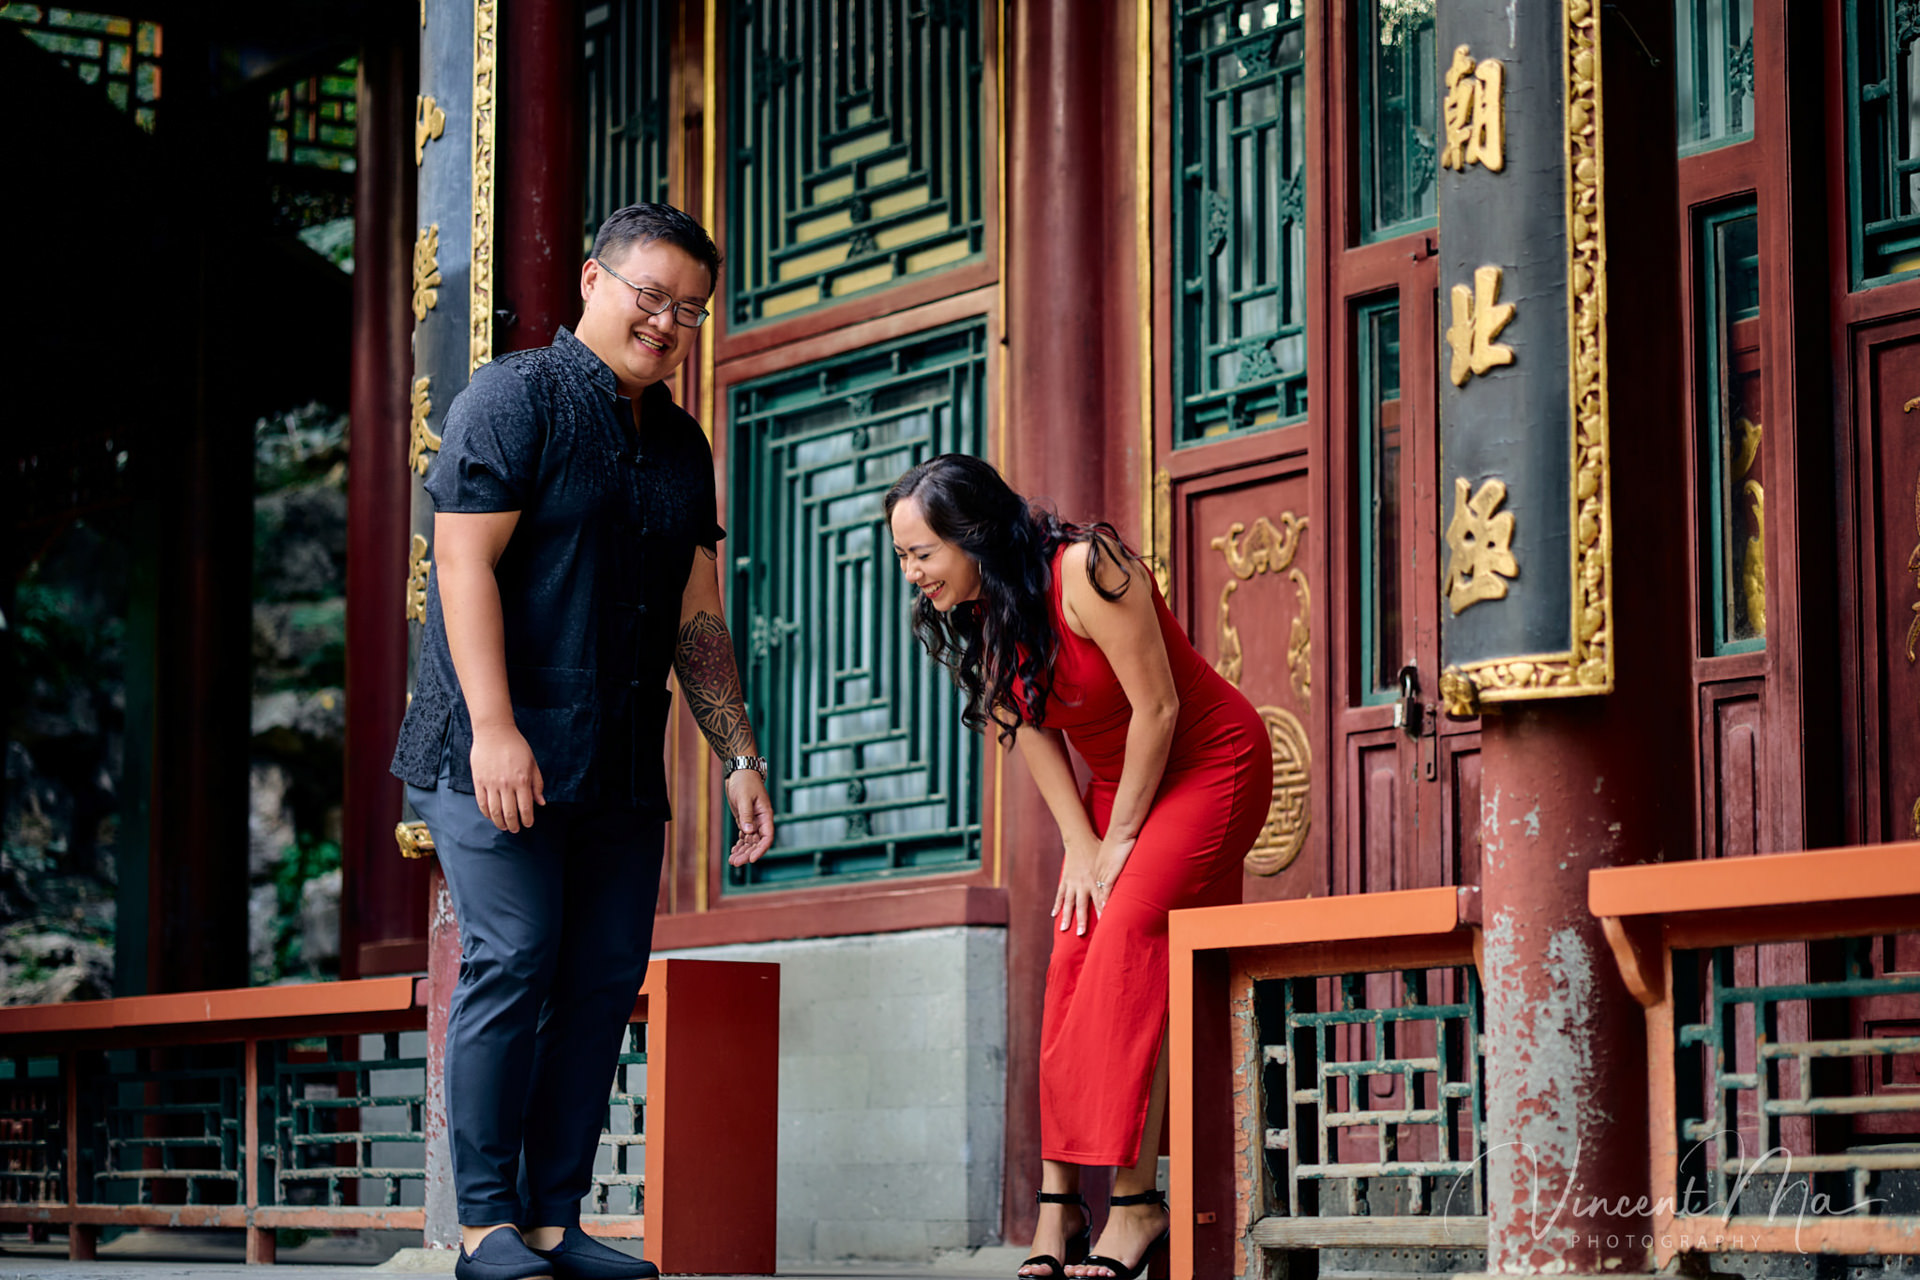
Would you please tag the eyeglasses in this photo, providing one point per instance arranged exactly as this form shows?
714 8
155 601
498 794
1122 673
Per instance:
689 315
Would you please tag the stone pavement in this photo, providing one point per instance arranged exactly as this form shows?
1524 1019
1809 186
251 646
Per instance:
371 1255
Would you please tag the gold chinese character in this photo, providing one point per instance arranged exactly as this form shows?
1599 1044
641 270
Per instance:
1477 319
1476 113
426 271
424 441
429 122
418 566
1479 545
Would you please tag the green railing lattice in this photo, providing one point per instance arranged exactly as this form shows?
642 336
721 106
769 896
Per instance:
164 1127
33 1128
1373 1096
1777 1083
619 1171
346 1117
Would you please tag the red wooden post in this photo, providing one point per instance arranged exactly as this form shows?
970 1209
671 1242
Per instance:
260 1240
380 932
442 1230
712 1117
1071 331
80 1237
542 189
1571 785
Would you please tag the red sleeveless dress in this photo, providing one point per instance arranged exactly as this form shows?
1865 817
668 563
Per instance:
1106 998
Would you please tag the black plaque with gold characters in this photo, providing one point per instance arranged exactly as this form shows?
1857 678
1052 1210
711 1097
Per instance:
453 309
1525 590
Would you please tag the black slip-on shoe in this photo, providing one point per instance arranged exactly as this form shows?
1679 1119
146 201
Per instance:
503 1255
579 1256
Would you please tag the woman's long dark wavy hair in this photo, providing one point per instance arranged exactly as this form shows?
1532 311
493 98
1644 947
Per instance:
1008 631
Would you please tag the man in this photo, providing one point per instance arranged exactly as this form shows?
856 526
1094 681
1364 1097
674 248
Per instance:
575 545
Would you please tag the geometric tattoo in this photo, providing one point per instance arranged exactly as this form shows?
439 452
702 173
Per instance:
703 661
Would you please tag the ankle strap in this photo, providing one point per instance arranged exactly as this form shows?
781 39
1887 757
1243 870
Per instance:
1059 1197
1145 1197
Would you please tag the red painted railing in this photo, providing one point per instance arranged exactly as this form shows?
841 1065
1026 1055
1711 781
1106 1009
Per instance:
1782 998
1225 1204
220 1059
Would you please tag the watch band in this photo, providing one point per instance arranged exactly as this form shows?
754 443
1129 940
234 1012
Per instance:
731 765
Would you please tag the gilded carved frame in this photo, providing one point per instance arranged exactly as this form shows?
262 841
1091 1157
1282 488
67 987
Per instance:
1587 666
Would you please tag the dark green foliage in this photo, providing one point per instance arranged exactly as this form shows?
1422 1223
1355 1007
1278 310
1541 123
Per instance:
305 859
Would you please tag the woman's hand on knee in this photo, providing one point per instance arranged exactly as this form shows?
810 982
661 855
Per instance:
1107 865
1073 900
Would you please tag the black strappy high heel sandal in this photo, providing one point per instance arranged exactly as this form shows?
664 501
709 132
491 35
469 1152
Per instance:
1077 1245
1121 1271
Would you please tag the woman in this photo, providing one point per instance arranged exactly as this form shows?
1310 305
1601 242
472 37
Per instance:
1058 635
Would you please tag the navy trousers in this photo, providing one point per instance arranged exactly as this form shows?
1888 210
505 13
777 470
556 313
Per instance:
556 923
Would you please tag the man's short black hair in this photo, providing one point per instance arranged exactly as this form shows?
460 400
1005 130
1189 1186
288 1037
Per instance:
647 223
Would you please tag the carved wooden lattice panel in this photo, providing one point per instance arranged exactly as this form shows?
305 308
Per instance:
121 55
312 119
626 47
872 771
855 137
1883 169
1240 214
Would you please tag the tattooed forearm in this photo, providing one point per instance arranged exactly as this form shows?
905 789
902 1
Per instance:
703 660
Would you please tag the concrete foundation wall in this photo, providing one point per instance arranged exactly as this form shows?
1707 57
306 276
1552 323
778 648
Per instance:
893 1066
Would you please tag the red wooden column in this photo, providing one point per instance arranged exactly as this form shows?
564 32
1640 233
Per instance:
1072 373
539 190
383 931
443 972
1574 785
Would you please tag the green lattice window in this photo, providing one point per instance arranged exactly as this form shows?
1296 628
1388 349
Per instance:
1240 246
625 46
1396 65
120 54
855 136
1377 464
1732 420
1883 173
1713 72
872 772
312 119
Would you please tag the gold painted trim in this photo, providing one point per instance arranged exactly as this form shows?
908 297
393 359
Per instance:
414 839
710 114
1163 530
1150 534
1290 811
1587 668
480 314
1268 549
1002 394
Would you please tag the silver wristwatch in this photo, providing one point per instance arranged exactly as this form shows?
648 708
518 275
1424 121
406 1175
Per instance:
730 765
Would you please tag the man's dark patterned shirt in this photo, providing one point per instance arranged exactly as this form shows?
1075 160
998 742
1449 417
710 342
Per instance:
590 582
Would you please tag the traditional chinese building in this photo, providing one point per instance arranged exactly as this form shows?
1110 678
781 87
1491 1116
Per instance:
1516 405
